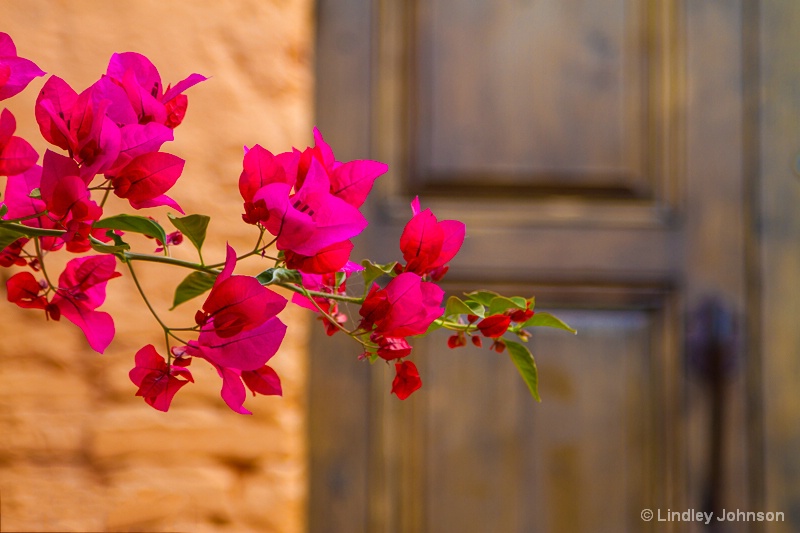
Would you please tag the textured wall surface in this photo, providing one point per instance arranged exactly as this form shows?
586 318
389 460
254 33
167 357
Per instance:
78 452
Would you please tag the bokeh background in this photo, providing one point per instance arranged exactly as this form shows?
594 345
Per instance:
631 163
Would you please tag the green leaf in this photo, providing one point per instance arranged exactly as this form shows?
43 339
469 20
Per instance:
135 224
523 360
373 271
104 248
482 297
521 302
456 306
547 320
501 303
477 309
279 275
192 285
193 226
8 236
35 193
3 210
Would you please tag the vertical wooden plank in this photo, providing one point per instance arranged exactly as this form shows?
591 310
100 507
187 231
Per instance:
754 272
339 432
714 250
780 230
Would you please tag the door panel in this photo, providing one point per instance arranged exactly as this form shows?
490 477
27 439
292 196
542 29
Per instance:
594 150
499 90
577 462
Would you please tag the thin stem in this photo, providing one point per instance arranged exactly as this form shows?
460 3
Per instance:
26 217
333 321
455 326
133 256
308 294
105 197
40 257
167 329
257 250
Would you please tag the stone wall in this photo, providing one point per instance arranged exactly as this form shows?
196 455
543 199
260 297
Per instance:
78 452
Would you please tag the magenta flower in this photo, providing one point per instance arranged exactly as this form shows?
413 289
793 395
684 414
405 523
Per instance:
391 347
158 381
16 154
310 219
79 124
20 204
351 181
25 291
15 72
247 350
329 259
137 139
407 379
145 178
10 255
261 167
81 290
407 306
142 83
239 333
68 201
237 303
428 244
263 380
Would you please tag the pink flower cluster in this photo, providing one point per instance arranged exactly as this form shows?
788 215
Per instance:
108 138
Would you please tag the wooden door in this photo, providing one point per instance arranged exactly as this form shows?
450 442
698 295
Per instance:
601 154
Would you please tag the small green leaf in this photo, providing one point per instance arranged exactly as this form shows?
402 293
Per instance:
501 303
104 248
192 285
523 360
116 238
373 271
482 297
193 226
456 306
3 210
35 193
547 320
521 302
477 309
135 224
8 236
279 275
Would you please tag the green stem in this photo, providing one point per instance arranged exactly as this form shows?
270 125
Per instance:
167 329
257 250
26 217
307 293
32 232
40 256
134 256
333 321
455 326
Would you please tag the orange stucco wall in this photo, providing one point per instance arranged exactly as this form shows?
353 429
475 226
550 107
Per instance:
78 452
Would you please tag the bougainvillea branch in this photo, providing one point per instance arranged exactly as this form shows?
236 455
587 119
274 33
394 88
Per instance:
305 206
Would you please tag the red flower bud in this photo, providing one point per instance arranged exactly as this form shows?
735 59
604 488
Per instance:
494 326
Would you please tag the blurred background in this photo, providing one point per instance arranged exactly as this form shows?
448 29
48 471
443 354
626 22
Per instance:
631 163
